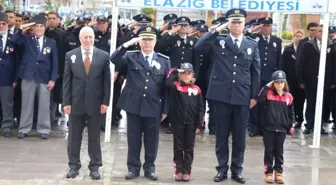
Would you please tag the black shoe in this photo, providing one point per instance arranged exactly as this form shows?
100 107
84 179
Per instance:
307 131
72 173
44 136
238 178
212 133
151 176
94 174
324 132
220 177
131 176
7 134
22 135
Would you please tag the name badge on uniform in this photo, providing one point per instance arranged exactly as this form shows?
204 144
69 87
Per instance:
293 56
328 50
191 43
222 43
73 58
178 43
274 44
249 51
257 39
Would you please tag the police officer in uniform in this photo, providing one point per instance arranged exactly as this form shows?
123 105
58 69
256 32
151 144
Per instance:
102 35
270 61
233 86
144 98
73 35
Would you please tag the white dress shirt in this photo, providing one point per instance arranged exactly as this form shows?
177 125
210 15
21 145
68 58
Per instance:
4 40
90 55
150 57
11 30
240 39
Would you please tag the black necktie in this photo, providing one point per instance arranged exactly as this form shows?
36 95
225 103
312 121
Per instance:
38 45
147 60
1 45
266 39
236 44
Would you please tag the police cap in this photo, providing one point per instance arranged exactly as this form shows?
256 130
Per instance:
102 18
203 28
170 17
142 18
265 20
279 76
220 20
148 32
236 15
197 23
332 29
186 67
80 19
3 17
39 19
183 21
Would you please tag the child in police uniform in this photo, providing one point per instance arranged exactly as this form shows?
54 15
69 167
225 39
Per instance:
277 120
187 113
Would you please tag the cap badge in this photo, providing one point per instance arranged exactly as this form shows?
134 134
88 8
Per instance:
237 11
183 19
266 19
280 75
186 65
170 15
202 26
148 29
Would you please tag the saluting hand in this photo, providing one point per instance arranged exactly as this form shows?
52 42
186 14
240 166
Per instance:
256 29
222 27
26 26
132 42
269 84
103 109
67 109
175 29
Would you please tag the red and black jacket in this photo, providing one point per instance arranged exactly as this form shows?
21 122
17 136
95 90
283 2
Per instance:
277 112
186 102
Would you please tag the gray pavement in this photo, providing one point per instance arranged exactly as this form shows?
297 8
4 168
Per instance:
33 161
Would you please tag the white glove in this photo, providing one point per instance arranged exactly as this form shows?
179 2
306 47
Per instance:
131 42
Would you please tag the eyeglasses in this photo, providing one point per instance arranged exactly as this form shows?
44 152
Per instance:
3 23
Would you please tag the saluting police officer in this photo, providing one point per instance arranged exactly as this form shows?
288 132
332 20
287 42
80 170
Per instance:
73 34
233 86
270 61
144 98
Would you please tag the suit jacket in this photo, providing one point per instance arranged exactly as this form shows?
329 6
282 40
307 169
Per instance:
235 77
8 64
289 65
145 93
40 66
86 92
309 63
270 55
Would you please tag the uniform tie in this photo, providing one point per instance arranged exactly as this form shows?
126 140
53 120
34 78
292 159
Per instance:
266 39
87 62
149 62
236 44
38 47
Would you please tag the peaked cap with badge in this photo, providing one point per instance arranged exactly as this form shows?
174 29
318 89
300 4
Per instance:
236 15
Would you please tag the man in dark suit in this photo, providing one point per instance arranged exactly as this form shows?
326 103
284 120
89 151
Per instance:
144 98
270 61
311 29
7 76
38 71
233 86
62 47
307 71
86 96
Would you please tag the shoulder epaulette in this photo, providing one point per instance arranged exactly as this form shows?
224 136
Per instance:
163 55
251 39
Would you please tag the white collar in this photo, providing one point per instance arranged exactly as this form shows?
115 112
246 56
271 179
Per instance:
90 50
149 55
240 38
40 38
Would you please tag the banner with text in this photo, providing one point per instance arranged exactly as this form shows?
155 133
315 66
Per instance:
285 6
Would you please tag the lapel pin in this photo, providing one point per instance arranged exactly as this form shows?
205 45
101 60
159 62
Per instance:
73 58
249 51
222 43
178 43
274 44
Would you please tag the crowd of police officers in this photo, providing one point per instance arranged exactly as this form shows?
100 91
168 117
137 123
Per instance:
177 39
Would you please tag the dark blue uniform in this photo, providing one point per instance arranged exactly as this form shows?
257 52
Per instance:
144 98
270 61
103 40
234 81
